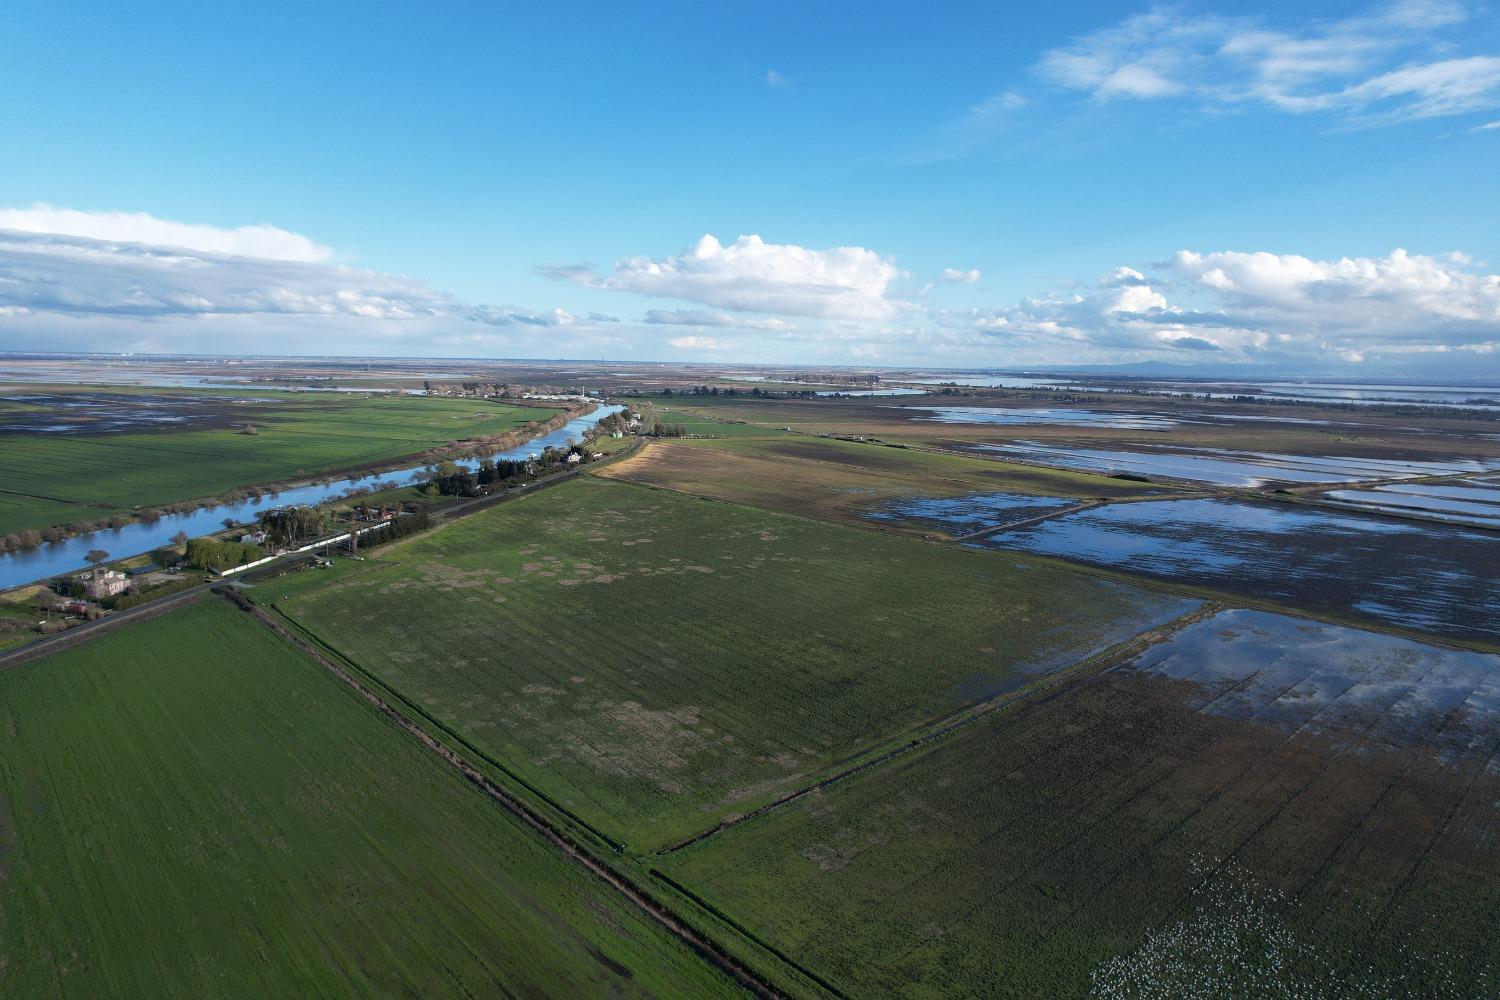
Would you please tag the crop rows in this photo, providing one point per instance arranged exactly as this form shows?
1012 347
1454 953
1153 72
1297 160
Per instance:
1045 852
659 662
249 828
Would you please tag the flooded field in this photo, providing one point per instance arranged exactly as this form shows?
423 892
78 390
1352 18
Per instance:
113 413
1469 501
1222 467
1430 577
1042 415
1361 690
1259 806
974 512
1477 396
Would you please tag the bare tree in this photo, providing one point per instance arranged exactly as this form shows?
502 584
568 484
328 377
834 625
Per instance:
96 556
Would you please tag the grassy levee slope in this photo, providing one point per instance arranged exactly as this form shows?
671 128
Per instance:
656 662
1259 807
191 808
844 480
50 479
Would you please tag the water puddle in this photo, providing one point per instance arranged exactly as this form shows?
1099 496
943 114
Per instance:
1468 501
967 514
1047 415
1357 688
1433 577
1222 467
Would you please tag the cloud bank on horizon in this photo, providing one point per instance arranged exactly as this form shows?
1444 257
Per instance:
112 281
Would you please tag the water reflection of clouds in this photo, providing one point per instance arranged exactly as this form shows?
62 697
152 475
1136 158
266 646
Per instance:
972 512
1426 576
1224 467
1357 688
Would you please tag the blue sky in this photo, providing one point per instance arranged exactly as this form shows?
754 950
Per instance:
1310 186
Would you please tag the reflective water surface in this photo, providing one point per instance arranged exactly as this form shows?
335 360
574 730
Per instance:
65 556
1360 689
1440 578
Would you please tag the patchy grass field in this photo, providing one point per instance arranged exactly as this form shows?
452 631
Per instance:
190 808
843 480
656 663
56 478
1259 806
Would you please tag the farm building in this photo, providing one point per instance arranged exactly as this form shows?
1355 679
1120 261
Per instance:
105 584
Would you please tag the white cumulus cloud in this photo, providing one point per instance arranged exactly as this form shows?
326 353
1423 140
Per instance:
700 344
704 317
751 275
264 241
1262 306
957 276
88 276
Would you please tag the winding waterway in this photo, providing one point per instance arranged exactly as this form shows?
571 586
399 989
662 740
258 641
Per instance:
67 555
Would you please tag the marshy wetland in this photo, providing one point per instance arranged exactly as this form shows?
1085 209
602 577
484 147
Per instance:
1434 578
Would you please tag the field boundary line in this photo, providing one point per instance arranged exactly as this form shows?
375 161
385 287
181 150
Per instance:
744 931
417 710
944 726
704 946
1038 519
62 500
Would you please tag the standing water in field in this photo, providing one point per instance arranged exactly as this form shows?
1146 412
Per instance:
1223 467
974 512
67 555
1434 577
1357 688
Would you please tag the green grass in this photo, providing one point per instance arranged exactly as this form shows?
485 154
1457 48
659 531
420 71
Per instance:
701 425
656 662
191 808
844 480
1135 835
50 479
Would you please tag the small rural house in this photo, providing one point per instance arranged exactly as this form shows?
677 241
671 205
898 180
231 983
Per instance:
105 584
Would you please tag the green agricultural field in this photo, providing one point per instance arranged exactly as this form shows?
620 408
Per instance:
57 478
655 663
191 808
844 480
1259 807
701 425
